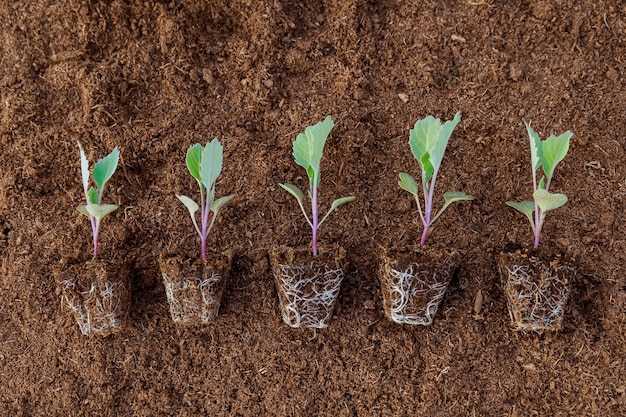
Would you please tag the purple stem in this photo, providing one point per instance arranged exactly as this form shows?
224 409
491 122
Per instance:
315 214
95 229
429 208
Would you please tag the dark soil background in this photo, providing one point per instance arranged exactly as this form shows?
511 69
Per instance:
156 77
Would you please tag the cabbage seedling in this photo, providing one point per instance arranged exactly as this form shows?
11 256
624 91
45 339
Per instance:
546 154
428 141
94 209
307 151
205 165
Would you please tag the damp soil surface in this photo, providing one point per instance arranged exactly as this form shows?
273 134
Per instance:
155 77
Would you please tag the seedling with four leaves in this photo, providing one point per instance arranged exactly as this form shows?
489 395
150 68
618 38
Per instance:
307 151
545 154
102 173
205 165
428 141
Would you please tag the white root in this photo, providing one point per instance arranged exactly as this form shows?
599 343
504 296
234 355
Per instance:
185 310
535 299
96 310
406 287
308 293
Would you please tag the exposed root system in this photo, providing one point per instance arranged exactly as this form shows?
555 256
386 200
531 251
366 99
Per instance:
194 289
413 289
536 291
98 294
307 289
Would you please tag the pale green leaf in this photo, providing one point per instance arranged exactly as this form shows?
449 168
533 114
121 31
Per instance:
100 211
535 148
338 202
84 167
191 205
408 183
294 191
92 194
104 168
553 151
83 210
211 163
194 156
525 207
549 201
451 196
219 203
309 147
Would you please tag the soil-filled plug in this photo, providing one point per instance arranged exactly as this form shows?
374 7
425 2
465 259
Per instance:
194 287
308 280
97 291
536 285
414 280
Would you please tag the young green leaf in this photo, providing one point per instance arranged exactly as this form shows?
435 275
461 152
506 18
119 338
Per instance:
211 163
408 183
219 203
548 201
104 168
428 141
535 148
194 156
525 207
191 205
554 150
92 194
100 211
84 167
451 196
294 191
443 136
309 146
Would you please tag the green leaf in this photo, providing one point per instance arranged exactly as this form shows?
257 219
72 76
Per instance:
408 183
92 194
294 191
104 168
338 202
554 150
191 205
309 146
211 163
219 203
548 201
535 148
83 210
427 168
451 196
525 207
100 211
84 167
428 141
194 156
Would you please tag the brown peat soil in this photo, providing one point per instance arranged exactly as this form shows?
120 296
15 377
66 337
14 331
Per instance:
155 77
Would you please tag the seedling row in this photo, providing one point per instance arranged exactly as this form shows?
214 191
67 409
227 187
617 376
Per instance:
414 278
